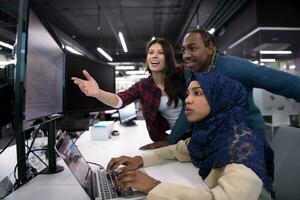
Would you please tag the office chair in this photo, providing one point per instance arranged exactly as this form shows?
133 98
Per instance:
286 146
279 118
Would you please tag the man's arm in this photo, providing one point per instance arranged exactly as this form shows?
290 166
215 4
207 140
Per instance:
256 76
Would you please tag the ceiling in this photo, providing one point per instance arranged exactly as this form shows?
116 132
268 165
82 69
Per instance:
96 23
275 40
88 24
286 40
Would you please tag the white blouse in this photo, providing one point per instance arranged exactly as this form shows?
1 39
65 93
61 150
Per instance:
171 112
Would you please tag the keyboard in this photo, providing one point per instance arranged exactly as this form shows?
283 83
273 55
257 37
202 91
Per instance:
107 182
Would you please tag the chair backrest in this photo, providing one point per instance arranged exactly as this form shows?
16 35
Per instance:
286 146
280 118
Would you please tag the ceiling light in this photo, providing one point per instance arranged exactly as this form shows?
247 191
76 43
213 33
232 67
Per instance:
70 49
255 61
123 42
121 63
121 79
275 52
117 72
125 67
153 38
3 63
139 76
135 72
104 54
6 45
267 60
292 67
212 30
197 18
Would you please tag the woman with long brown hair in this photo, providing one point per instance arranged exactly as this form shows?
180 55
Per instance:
161 94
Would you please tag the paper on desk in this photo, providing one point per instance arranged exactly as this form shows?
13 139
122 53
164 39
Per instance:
176 172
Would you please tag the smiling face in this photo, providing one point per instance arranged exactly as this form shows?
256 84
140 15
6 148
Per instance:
156 58
195 54
197 106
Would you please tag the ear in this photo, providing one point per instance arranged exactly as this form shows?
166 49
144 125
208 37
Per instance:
211 49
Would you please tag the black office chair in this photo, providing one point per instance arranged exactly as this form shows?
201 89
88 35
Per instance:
286 146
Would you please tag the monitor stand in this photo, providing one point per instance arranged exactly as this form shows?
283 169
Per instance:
129 123
52 167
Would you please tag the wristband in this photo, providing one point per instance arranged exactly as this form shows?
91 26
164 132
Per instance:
140 159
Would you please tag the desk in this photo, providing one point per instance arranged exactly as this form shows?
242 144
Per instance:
64 186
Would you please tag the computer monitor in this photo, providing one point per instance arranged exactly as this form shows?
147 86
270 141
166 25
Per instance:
76 101
38 84
44 71
6 95
127 114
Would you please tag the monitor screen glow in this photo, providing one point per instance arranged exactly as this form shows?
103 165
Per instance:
44 72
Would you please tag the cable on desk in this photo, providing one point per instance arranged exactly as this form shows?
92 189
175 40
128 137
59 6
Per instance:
20 180
32 151
30 171
100 166
94 118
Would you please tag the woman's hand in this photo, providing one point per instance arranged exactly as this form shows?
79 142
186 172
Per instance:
130 163
137 180
89 86
155 145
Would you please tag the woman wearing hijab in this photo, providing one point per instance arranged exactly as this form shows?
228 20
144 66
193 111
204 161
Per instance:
233 160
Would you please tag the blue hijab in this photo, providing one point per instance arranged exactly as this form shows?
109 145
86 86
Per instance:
223 137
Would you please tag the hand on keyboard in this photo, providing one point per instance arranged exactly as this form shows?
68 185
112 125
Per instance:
130 163
137 180
108 186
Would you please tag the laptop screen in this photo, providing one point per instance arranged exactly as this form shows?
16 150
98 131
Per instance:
83 173
73 158
127 113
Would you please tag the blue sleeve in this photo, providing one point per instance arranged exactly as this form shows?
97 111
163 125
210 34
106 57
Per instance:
181 127
256 76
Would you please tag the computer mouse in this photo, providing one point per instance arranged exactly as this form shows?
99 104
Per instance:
115 133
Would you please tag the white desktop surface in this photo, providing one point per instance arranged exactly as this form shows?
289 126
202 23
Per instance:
64 186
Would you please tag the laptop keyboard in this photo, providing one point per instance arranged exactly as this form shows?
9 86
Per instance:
107 181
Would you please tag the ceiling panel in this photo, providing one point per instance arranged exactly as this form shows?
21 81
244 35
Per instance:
96 23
